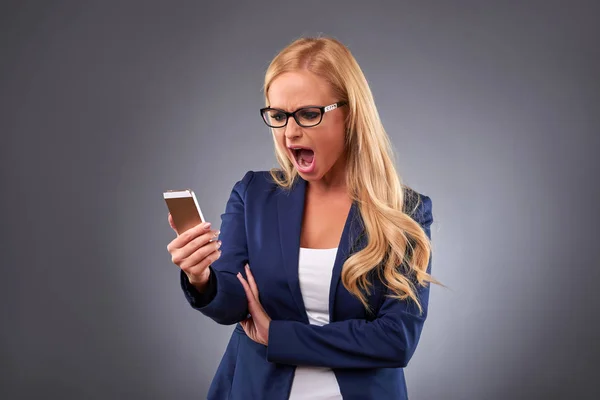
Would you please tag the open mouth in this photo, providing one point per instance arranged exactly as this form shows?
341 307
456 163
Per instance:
305 158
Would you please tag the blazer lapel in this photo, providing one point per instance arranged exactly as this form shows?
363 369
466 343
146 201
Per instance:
290 209
353 228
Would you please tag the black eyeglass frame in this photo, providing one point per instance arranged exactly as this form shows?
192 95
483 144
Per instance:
323 110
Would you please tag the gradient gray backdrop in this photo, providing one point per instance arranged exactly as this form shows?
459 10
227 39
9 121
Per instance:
493 108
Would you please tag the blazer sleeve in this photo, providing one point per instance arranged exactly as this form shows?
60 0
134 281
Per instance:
388 341
225 300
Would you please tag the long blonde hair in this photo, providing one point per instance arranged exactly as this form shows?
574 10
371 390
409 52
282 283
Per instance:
397 247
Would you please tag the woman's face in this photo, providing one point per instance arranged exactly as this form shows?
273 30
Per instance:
324 155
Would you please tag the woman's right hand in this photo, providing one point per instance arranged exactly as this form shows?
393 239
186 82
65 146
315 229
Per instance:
193 252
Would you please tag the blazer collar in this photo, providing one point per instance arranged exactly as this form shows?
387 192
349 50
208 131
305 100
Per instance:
290 208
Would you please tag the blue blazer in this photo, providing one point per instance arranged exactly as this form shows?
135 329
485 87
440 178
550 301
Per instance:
367 351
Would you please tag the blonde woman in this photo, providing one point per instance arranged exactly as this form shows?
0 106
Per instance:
324 263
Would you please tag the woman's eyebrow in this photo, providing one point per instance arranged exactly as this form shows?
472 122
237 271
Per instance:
297 108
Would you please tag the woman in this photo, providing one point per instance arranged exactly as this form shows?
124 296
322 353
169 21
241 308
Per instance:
324 264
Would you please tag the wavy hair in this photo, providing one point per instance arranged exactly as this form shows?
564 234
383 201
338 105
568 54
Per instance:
398 249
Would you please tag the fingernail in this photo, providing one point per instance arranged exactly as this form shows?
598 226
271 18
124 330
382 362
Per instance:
247 267
216 233
239 274
206 225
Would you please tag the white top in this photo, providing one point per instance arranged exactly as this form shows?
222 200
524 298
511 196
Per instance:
314 273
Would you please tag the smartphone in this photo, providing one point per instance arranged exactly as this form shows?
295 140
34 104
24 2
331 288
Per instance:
184 209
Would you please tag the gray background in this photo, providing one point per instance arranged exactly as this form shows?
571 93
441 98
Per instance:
493 108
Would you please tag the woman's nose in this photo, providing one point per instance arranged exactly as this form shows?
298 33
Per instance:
292 129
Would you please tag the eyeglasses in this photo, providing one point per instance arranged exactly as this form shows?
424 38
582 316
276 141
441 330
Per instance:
306 117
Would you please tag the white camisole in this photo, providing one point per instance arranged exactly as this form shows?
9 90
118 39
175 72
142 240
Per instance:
314 273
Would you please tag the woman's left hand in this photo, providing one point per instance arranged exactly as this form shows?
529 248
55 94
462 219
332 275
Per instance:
257 324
